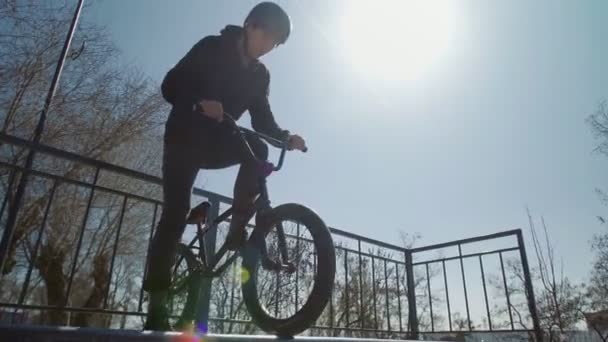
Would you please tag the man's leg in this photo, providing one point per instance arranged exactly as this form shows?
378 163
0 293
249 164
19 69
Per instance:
245 192
228 153
179 172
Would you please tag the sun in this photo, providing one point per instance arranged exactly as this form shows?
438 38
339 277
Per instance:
396 39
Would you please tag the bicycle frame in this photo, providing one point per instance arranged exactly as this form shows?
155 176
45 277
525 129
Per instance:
261 207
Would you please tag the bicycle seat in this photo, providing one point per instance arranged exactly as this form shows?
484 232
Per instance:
198 214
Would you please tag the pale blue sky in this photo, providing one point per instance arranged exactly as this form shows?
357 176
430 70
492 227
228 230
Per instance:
496 121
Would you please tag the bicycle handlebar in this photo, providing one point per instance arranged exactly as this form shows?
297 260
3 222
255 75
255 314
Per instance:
282 144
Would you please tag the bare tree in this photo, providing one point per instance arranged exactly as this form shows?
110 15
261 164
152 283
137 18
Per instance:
559 301
596 314
597 289
101 110
599 126
598 285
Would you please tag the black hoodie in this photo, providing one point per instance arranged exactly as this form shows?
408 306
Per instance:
212 70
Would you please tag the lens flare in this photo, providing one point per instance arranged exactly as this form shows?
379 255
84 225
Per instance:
244 275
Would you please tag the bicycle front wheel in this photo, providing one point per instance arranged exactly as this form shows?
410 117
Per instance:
289 300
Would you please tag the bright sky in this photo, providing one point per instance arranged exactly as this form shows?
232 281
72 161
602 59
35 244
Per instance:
446 118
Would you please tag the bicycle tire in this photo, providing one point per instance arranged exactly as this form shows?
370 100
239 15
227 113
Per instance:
316 302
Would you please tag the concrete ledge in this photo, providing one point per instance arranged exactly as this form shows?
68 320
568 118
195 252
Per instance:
37 333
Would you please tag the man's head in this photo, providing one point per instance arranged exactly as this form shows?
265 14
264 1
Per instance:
266 27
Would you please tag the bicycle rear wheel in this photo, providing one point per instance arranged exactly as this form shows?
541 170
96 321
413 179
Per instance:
288 301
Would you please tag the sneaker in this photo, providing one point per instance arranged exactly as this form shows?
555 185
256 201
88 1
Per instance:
157 321
158 315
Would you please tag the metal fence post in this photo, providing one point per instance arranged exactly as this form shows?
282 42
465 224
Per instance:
205 295
411 295
529 287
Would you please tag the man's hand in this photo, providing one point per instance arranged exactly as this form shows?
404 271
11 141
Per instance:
211 109
296 142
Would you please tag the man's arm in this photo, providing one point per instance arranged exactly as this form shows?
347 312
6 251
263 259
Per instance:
262 119
186 80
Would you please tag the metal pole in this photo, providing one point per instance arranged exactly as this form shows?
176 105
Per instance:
141 291
9 188
374 292
504 279
388 311
80 236
114 250
428 285
447 295
30 267
7 236
233 285
485 292
347 307
411 296
399 298
205 294
362 321
464 286
529 287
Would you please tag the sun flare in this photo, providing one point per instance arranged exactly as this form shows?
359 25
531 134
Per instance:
396 39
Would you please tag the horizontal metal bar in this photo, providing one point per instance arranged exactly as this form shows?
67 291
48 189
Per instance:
496 251
135 313
100 164
80 183
71 309
465 241
24 332
365 239
397 332
92 310
502 331
228 320
349 250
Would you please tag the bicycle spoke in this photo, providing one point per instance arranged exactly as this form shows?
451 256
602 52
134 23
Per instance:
178 285
288 242
282 242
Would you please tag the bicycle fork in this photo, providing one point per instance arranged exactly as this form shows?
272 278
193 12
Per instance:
203 227
284 264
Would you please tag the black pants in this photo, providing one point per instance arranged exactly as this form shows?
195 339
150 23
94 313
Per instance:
181 163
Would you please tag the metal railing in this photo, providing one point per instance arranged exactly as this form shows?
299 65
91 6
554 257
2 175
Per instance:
380 290
501 284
